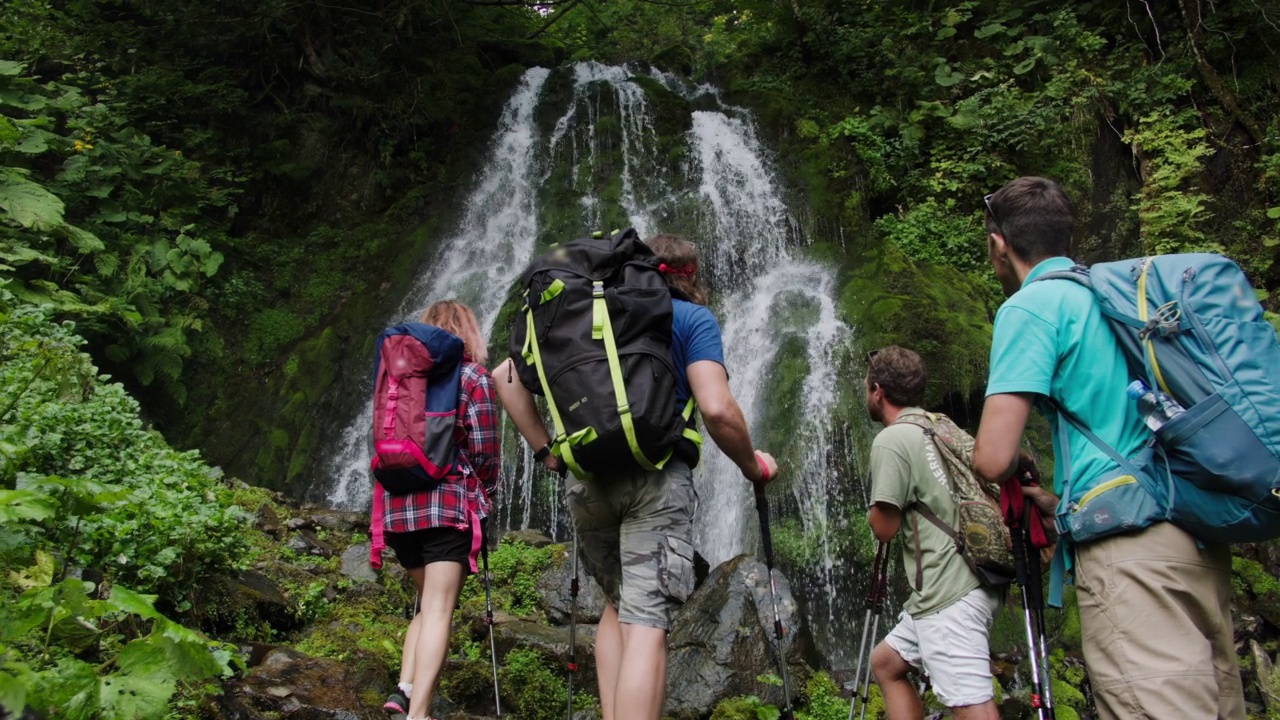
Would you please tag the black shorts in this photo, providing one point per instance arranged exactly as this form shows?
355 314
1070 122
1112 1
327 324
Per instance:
419 548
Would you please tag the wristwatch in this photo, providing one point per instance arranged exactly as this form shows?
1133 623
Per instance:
542 453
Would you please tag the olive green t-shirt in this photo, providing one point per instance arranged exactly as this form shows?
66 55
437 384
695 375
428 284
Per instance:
905 470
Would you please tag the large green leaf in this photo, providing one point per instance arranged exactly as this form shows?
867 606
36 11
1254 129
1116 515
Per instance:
18 505
13 690
10 68
135 697
124 599
29 203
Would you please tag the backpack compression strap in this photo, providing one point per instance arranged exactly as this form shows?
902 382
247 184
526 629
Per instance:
602 329
561 446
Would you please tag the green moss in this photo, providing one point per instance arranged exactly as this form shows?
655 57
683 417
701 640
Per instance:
747 707
933 310
516 568
534 687
1256 589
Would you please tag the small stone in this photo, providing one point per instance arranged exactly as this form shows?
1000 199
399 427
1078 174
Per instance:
298 523
279 691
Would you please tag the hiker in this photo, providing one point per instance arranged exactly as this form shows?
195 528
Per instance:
434 533
1154 606
946 621
635 526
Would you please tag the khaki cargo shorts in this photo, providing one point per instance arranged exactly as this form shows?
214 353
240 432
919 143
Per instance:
635 533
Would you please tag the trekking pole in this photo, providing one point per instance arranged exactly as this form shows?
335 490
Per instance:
871 624
572 665
863 648
488 619
766 538
1037 603
1020 570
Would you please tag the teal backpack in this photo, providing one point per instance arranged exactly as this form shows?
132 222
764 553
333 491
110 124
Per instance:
1191 326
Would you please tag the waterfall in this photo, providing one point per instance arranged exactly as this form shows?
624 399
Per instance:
610 145
491 246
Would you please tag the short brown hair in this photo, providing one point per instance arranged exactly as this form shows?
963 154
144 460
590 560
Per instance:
1034 216
900 373
680 256
454 317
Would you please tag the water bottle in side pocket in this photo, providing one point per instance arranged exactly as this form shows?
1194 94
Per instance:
1156 408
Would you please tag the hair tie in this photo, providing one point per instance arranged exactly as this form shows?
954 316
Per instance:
682 271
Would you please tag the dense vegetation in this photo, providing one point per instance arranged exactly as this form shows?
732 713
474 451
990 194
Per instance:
207 189
202 200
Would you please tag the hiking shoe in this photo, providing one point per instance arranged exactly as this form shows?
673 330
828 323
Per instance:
396 705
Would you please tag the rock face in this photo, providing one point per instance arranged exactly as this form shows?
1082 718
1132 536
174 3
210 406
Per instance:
722 639
554 587
355 563
291 686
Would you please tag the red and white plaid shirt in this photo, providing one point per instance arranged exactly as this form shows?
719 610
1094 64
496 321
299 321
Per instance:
473 481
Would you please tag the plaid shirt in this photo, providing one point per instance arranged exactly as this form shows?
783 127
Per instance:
473 479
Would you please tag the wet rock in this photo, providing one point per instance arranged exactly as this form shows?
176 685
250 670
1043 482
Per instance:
306 542
268 521
355 563
289 685
554 590
722 640
532 538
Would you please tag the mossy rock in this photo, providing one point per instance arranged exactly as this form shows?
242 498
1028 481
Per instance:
1256 590
932 309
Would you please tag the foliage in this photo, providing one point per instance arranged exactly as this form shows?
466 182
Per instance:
533 687
102 223
516 568
821 700
111 495
67 653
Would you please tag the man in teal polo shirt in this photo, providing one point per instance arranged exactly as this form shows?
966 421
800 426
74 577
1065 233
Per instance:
1154 606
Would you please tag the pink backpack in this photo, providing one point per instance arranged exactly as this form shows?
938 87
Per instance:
417 378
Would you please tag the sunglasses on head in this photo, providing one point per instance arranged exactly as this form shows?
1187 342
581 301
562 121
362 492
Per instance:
986 200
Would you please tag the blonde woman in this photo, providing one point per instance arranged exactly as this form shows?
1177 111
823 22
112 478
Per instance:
433 532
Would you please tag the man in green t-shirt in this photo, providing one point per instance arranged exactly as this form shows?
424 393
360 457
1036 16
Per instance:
945 624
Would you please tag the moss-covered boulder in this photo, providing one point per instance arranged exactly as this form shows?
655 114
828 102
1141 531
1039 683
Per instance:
931 309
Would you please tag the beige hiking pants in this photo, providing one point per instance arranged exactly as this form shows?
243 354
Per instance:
1155 612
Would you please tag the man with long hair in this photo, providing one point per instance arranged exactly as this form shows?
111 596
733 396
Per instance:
635 527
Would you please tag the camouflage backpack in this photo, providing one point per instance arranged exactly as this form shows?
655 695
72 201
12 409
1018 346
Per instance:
981 538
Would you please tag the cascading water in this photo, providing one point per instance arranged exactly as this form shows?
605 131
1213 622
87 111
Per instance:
609 157
493 243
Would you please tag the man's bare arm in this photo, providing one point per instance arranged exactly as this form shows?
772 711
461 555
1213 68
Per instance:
1004 418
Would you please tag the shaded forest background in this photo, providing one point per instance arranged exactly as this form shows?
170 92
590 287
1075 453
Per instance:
205 186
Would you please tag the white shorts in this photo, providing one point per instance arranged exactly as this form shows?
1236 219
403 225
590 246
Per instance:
953 646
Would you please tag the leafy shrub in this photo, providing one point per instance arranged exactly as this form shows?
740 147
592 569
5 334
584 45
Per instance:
123 502
516 568
534 688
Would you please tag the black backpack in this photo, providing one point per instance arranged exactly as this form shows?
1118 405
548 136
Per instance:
595 340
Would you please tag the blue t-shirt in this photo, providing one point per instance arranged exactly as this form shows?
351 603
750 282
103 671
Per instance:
695 336
1051 340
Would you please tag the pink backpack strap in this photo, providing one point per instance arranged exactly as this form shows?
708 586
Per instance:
378 542
477 537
